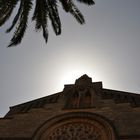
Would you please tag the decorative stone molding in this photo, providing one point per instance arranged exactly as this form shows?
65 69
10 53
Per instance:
76 126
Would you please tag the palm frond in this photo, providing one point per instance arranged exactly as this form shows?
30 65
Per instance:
44 9
2 3
77 14
45 33
54 16
88 2
69 6
16 18
6 10
37 15
66 5
40 16
21 28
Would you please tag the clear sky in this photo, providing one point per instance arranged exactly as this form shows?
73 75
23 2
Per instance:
107 48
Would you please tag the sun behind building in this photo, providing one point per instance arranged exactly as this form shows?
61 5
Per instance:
82 111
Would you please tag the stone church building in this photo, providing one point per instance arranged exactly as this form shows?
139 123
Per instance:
82 111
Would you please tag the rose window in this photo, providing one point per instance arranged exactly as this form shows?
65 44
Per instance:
76 131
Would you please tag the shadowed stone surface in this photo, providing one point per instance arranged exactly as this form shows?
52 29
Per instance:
82 111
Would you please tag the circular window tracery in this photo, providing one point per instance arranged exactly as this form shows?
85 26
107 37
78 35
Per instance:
76 126
75 131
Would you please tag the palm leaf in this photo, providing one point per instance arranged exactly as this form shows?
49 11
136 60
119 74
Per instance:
66 5
6 10
44 9
2 3
69 6
88 2
40 16
16 18
77 14
21 28
37 15
54 16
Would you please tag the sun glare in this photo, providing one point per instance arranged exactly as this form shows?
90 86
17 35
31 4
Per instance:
70 76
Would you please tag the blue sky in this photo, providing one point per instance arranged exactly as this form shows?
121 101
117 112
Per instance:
106 48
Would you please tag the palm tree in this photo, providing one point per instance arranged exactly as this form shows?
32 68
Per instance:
44 9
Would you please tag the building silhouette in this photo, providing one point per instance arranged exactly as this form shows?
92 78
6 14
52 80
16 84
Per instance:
82 111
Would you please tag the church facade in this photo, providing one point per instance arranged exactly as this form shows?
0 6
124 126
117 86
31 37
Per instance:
82 111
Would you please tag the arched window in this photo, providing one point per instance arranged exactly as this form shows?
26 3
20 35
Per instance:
76 126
